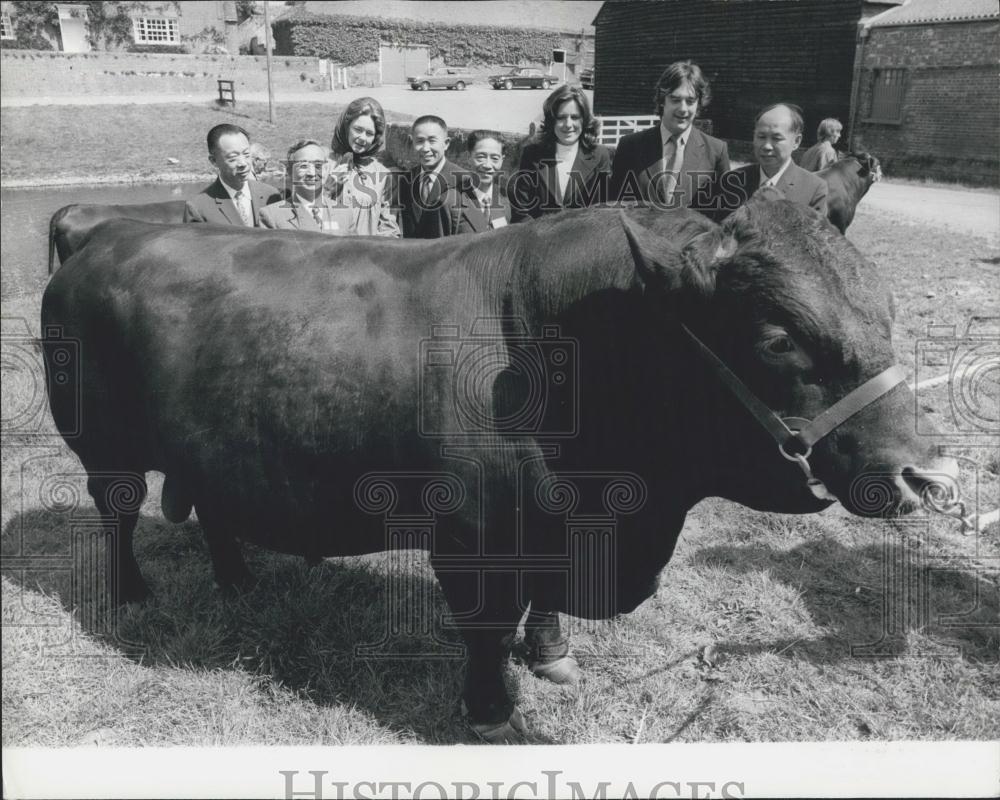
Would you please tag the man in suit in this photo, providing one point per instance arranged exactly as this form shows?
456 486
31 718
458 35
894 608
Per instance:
672 165
777 133
481 206
306 209
425 191
234 198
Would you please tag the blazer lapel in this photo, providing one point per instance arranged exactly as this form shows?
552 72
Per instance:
547 174
224 203
583 168
417 202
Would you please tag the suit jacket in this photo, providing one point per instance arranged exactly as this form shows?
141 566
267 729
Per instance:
434 220
467 215
796 184
214 205
639 160
534 190
290 215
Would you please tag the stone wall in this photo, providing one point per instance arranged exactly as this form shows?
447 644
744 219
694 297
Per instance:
36 73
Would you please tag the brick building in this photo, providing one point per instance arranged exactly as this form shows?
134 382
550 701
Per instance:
914 82
927 96
166 26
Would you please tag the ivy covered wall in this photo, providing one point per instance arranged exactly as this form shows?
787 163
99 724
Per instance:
355 40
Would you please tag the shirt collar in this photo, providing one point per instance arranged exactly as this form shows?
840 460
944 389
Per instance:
481 195
231 191
435 171
773 181
665 135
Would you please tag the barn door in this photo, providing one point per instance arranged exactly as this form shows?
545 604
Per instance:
399 61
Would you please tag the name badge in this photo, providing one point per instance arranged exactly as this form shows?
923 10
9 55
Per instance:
499 222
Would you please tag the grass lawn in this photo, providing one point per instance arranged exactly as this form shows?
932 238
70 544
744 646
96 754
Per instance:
46 142
765 627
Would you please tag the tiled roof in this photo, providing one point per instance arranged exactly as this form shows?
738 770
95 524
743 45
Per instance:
917 12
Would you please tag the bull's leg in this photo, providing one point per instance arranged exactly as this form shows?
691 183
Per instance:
118 497
231 572
486 614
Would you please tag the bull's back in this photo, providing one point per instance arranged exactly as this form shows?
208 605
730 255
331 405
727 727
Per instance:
269 369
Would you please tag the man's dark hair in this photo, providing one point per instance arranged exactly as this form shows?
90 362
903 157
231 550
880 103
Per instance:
478 135
676 74
794 110
430 118
222 130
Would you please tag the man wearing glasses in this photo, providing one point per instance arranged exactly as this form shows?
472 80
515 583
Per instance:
307 207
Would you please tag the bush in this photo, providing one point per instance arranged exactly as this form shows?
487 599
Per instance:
355 40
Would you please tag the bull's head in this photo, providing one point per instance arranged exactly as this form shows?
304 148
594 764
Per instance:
869 167
802 320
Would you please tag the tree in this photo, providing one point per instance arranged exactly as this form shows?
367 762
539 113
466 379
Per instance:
245 9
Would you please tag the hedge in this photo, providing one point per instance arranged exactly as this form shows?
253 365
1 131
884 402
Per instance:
355 40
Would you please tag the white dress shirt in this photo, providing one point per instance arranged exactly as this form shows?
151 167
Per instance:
773 181
243 203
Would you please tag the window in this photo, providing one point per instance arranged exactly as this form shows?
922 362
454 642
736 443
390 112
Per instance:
6 26
888 86
156 30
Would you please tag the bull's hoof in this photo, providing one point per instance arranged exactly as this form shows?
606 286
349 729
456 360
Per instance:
562 670
512 731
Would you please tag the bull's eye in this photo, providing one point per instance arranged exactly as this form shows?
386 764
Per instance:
779 345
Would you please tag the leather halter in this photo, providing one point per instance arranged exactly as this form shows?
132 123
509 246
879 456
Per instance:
795 432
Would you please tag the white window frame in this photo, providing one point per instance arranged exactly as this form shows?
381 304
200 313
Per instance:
166 30
7 26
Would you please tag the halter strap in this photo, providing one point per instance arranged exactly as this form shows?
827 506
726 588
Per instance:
802 432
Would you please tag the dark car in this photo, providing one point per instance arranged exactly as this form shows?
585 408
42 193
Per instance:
523 78
442 78
587 78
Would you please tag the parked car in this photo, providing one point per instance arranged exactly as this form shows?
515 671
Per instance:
587 78
442 78
523 78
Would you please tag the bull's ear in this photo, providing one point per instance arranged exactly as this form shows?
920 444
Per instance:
664 268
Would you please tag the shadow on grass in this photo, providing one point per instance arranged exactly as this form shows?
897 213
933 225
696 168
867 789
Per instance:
870 598
322 632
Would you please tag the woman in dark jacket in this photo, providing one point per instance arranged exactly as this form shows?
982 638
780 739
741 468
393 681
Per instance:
564 167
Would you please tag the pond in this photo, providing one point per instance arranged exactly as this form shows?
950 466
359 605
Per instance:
25 214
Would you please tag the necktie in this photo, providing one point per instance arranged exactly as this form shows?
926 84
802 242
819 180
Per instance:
241 205
426 184
673 158
317 215
486 207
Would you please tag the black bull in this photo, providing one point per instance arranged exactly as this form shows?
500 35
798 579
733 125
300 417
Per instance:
301 392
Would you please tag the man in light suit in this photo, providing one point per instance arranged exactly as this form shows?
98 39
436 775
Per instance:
307 208
777 133
234 198
672 165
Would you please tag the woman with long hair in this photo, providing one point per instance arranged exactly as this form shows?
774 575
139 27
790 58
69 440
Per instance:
564 167
359 184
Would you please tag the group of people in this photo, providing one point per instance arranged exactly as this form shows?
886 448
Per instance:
347 190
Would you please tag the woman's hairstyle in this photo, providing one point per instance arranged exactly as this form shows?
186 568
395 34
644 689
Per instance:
678 73
828 128
547 130
363 106
478 135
